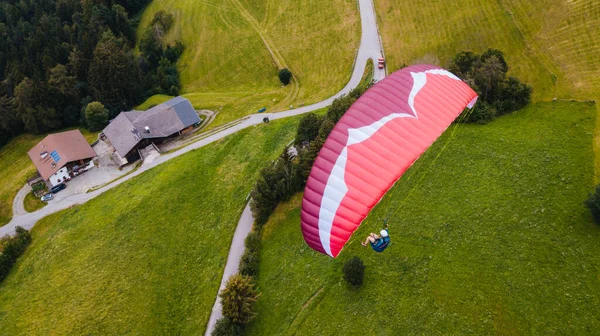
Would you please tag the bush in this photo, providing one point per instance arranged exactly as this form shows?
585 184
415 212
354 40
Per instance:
238 298
308 129
96 116
354 271
593 203
339 107
225 327
11 248
252 242
249 263
276 183
482 113
285 75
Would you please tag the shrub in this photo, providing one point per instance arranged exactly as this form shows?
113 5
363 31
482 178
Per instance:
593 203
12 248
96 116
249 263
463 63
238 298
482 113
285 76
340 106
252 242
225 327
308 129
354 271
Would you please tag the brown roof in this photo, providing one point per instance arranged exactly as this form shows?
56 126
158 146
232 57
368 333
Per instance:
58 149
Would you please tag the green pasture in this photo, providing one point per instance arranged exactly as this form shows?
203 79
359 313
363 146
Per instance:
550 44
146 257
235 48
16 168
490 238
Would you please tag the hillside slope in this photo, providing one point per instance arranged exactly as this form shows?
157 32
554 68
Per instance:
234 49
495 239
145 257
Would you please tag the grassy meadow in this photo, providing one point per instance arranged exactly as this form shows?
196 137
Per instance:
492 237
550 44
235 48
16 168
145 257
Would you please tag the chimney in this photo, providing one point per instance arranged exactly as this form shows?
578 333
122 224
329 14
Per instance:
147 129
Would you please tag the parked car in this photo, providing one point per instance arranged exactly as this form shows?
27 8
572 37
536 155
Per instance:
58 188
381 63
47 197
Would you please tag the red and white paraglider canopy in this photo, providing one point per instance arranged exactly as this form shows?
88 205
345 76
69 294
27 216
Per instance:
372 145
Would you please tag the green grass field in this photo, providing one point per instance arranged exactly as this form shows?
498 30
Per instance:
16 168
234 49
495 239
550 44
144 258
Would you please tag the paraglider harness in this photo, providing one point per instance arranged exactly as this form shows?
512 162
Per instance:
381 243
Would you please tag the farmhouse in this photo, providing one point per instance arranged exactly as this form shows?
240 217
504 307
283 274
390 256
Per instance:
132 130
61 156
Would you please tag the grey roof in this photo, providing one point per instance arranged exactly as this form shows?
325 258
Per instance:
168 118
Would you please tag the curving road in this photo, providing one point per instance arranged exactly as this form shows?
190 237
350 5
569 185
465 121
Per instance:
370 48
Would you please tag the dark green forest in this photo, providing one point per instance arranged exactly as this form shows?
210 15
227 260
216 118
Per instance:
56 56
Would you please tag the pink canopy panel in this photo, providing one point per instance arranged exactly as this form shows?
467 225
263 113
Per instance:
373 144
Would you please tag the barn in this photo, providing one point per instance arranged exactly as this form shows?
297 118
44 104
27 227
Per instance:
132 130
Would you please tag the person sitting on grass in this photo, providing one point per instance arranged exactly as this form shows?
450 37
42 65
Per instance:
378 242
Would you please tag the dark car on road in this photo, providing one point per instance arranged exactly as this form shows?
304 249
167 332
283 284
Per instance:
58 188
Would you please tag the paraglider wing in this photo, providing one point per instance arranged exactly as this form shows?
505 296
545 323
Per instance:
372 145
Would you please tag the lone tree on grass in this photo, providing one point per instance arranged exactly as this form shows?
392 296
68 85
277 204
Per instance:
96 116
238 299
285 75
354 271
593 203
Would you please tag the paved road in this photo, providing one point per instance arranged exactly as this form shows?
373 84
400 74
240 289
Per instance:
18 206
233 260
370 48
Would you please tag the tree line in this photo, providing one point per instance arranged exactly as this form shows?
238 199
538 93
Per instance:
56 56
